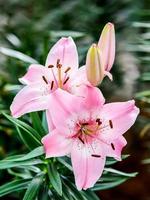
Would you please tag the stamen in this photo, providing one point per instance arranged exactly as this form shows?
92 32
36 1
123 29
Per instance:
86 123
98 121
50 66
52 85
67 69
95 155
112 145
110 124
66 80
58 61
81 140
58 65
44 79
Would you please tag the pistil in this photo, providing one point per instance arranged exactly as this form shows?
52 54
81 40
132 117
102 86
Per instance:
59 73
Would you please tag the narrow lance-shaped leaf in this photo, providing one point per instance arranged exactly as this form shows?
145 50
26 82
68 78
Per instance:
14 186
33 187
37 124
54 178
34 153
17 54
29 133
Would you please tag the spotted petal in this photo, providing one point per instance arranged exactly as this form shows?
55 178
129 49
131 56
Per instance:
35 74
88 164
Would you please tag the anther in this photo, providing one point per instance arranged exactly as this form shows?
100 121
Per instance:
50 66
112 145
98 121
52 85
81 140
110 124
95 155
86 123
67 69
58 62
59 65
66 80
44 79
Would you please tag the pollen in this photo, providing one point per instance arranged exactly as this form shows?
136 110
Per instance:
95 155
110 124
52 85
44 79
66 80
67 69
112 145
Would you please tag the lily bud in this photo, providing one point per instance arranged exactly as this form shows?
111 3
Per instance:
107 46
94 66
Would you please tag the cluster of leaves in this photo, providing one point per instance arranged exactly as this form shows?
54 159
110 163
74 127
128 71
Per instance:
49 178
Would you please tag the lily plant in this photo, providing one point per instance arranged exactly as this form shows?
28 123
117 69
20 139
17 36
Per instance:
84 135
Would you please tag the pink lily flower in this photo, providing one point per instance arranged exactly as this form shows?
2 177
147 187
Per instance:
88 131
60 71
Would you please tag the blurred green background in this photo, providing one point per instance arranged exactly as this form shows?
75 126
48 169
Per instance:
29 28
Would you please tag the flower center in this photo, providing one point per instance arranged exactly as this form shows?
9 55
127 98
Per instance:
87 131
61 78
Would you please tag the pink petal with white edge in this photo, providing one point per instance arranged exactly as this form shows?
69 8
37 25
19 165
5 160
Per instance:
56 145
35 74
107 45
31 98
114 147
122 115
65 50
87 168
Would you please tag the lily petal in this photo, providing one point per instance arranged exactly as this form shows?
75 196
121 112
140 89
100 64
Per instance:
107 45
122 115
49 121
87 168
31 98
62 106
114 147
65 50
56 144
35 74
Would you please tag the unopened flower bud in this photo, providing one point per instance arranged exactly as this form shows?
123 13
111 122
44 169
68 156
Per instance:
94 66
107 46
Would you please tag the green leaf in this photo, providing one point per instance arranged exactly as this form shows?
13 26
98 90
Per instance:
54 178
5 164
146 161
33 187
66 162
17 54
25 174
14 186
35 153
37 124
108 185
70 187
30 135
120 173
90 195
111 161
74 34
